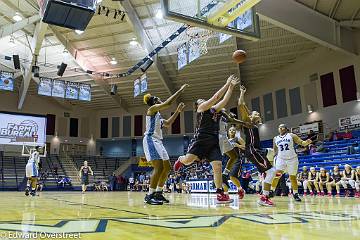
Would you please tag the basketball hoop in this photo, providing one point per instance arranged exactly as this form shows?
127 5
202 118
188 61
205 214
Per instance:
198 37
35 137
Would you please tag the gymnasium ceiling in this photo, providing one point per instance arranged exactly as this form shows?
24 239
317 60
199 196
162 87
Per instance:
107 38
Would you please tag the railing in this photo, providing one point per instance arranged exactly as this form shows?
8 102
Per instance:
16 176
2 165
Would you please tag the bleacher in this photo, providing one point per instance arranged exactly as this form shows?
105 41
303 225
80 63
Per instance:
336 155
102 166
12 171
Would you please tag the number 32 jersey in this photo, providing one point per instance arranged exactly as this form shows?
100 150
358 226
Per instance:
285 145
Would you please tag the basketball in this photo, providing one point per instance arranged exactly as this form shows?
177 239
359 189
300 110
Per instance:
239 56
123 129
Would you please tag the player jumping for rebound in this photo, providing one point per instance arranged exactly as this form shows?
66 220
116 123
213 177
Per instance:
233 146
32 172
287 158
153 145
253 152
205 144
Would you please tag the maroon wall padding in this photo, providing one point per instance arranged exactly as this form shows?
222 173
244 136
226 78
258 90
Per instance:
138 123
50 124
328 89
175 128
74 127
348 83
104 127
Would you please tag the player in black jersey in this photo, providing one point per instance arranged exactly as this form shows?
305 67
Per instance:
302 178
205 144
335 182
357 182
253 152
348 177
312 181
322 180
84 172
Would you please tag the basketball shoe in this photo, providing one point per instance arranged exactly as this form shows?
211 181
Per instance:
265 201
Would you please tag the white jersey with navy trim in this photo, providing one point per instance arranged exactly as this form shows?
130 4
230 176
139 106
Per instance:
285 146
34 157
152 143
154 125
223 127
32 167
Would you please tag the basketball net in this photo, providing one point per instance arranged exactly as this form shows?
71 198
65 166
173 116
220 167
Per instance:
35 138
198 37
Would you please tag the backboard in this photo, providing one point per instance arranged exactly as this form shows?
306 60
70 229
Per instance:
29 148
234 17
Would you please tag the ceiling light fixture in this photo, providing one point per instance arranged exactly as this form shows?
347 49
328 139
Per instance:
310 108
17 17
79 32
65 52
159 14
133 42
113 61
123 16
12 40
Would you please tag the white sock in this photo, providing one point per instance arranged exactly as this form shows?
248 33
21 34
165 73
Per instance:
151 190
266 193
295 191
159 189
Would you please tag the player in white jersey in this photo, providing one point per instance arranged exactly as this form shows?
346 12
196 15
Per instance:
153 147
32 171
233 146
287 159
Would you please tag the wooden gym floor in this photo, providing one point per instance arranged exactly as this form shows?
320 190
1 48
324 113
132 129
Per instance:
123 215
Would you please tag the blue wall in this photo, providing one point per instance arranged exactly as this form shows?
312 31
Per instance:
116 148
139 147
123 148
174 146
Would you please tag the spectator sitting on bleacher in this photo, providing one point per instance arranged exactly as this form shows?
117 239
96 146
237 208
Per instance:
347 135
312 136
354 149
357 182
97 186
64 180
348 177
312 150
131 183
322 179
335 181
332 136
104 186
